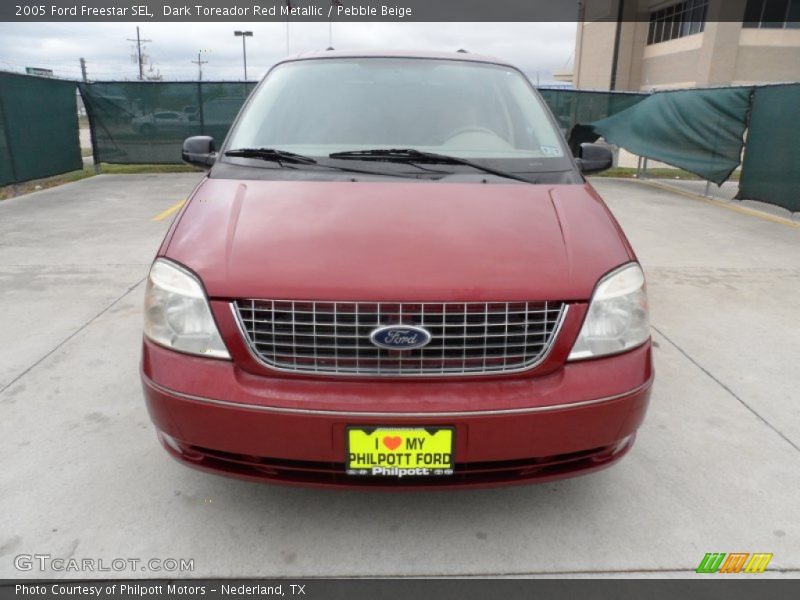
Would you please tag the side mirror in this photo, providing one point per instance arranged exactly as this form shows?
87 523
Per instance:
594 157
200 151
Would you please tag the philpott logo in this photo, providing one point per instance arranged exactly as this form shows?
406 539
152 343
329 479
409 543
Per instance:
736 562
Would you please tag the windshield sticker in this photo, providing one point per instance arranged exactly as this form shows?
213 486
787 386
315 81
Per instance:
550 150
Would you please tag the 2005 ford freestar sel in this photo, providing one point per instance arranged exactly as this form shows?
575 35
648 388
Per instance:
395 275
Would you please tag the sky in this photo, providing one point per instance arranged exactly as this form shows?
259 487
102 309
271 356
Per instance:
538 49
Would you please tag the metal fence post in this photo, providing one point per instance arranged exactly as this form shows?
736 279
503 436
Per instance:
7 137
200 107
87 104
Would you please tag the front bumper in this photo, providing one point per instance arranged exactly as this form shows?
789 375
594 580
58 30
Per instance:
212 415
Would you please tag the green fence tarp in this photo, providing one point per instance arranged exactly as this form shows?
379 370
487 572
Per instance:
572 107
38 128
6 157
146 122
771 169
701 131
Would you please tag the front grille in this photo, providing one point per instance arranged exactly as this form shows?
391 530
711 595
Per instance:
334 337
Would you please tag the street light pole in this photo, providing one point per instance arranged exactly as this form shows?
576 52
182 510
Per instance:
244 35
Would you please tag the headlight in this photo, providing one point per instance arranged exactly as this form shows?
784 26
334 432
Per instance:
617 318
176 312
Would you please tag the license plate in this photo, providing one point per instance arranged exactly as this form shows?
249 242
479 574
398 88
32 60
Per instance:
400 451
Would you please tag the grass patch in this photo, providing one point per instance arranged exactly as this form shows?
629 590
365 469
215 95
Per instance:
11 191
86 152
657 173
107 169
660 173
19 189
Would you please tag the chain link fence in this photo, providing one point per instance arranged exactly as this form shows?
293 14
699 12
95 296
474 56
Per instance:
704 131
147 121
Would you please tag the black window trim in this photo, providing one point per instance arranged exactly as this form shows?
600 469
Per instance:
676 21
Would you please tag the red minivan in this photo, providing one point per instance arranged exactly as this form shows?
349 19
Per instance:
394 274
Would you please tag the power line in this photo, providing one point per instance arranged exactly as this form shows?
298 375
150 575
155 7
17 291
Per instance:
73 70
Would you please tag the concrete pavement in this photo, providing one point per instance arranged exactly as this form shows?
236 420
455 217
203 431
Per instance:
716 466
725 193
85 137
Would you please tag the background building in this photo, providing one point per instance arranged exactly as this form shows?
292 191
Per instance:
662 44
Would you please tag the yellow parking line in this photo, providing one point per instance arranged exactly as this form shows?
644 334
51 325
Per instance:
171 210
740 209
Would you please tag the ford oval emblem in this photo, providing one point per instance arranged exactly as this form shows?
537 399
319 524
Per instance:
400 337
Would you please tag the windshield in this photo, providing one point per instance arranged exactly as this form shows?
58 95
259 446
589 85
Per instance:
458 108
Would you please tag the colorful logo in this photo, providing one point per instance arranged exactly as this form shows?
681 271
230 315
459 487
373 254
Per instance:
736 562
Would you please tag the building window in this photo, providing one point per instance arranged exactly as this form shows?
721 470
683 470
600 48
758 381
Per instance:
677 20
772 14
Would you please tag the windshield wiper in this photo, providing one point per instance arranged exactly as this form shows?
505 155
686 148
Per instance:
284 157
411 155
279 156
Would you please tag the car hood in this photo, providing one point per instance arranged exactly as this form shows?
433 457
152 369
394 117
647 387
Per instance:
397 241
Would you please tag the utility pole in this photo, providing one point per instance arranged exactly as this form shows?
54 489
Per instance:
334 4
288 12
199 62
83 70
139 41
612 84
244 35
